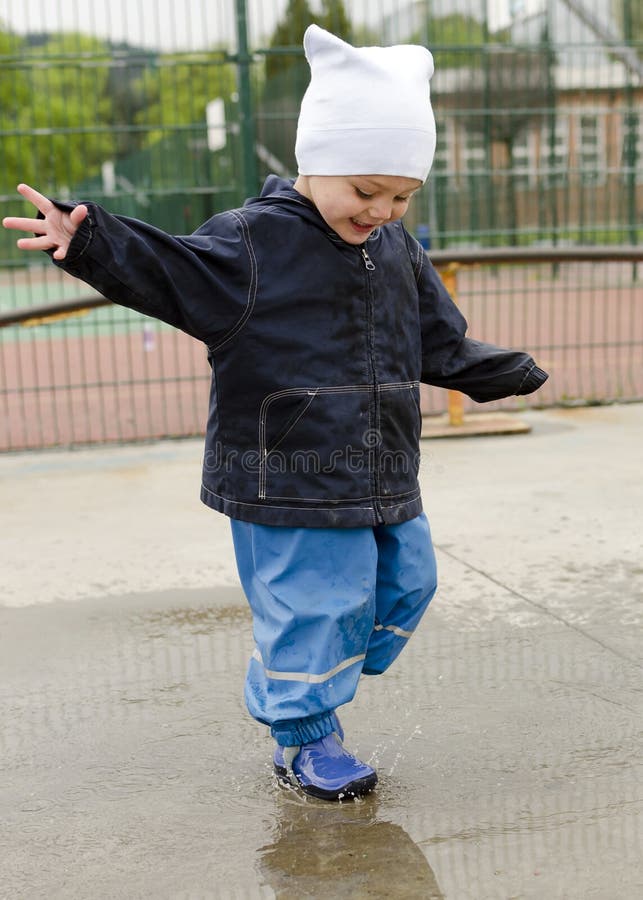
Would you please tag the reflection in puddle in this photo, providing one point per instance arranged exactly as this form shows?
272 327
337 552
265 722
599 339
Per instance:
343 850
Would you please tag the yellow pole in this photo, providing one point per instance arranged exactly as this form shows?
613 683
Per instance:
53 317
454 398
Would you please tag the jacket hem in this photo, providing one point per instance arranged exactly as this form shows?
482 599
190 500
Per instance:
323 516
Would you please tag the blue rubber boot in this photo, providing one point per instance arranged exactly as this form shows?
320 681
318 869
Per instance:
323 769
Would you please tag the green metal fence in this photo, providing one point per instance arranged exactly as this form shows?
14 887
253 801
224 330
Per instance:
172 112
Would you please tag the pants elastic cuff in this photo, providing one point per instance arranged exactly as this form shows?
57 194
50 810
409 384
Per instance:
295 732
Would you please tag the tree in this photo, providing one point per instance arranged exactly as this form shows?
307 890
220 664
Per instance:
504 97
59 114
15 95
14 89
128 100
289 33
176 91
287 75
335 18
458 34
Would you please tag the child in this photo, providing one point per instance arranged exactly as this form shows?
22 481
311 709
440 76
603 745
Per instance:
321 316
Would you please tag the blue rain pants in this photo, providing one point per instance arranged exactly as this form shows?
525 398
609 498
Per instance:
328 604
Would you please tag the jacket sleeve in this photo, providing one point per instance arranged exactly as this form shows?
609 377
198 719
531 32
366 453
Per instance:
202 284
452 360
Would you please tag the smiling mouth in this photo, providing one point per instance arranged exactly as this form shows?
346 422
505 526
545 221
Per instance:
362 226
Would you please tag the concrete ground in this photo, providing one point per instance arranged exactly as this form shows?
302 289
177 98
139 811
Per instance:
505 737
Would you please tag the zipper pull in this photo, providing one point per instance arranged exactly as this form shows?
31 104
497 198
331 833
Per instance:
368 262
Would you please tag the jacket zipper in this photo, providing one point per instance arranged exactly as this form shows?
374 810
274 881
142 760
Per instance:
368 262
373 450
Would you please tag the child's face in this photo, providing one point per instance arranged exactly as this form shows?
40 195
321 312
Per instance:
355 205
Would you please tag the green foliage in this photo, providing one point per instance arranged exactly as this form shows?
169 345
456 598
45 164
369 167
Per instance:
451 38
364 36
335 18
287 73
68 103
176 91
128 99
289 32
55 111
14 88
629 15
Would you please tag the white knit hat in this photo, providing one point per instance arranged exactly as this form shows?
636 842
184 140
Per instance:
367 110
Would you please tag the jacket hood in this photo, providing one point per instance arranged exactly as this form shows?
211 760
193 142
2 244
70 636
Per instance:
278 191
275 184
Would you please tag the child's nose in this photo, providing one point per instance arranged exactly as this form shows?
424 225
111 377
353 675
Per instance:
381 209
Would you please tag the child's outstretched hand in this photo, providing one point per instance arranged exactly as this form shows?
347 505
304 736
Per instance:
55 231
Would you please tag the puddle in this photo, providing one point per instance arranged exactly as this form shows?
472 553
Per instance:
507 762
193 621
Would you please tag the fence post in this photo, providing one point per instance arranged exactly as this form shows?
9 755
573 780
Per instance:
455 423
632 152
246 118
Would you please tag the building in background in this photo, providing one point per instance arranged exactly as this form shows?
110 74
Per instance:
539 132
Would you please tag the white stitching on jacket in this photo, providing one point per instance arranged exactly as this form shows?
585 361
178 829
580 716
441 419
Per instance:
264 453
324 510
252 287
330 507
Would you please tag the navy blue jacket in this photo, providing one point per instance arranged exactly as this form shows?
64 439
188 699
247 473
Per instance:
317 350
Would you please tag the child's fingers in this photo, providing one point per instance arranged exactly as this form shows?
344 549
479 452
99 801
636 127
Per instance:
78 214
39 200
38 243
38 226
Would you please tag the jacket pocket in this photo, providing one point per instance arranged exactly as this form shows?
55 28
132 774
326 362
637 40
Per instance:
400 424
311 444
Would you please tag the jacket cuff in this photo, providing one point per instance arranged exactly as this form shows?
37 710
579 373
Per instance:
534 379
81 239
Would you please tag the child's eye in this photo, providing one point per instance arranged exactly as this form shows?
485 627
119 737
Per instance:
363 194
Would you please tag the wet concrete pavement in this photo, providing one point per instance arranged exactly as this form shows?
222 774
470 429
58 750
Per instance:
507 737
